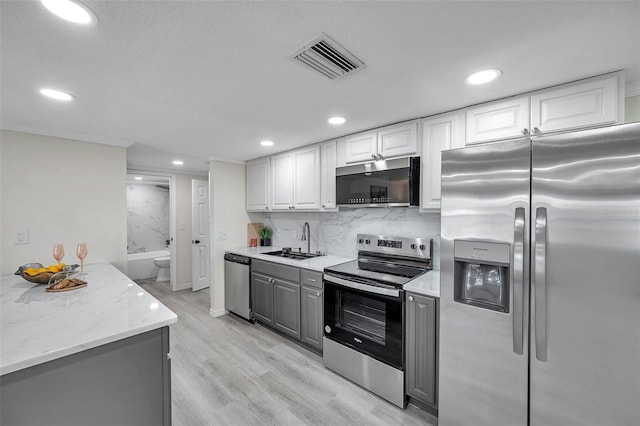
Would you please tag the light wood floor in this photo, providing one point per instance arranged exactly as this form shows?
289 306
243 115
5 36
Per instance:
226 371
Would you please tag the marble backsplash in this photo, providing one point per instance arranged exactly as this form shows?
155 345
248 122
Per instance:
335 233
148 215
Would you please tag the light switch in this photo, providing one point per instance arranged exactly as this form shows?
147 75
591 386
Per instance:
181 227
21 236
222 235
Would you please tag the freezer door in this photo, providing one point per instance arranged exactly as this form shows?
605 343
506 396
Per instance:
585 354
483 351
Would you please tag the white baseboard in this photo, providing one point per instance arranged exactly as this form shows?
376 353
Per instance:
183 286
218 312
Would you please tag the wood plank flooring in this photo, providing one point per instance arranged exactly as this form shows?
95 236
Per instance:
226 371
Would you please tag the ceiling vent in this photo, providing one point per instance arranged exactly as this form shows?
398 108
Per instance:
327 57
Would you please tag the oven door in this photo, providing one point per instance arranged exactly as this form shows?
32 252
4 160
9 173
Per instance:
366 317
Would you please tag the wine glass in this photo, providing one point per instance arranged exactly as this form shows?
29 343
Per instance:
81 252
58 252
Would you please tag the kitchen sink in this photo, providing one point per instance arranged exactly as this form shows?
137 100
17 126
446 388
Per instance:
297 255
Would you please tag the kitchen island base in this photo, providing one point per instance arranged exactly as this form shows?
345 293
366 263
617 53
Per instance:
126 382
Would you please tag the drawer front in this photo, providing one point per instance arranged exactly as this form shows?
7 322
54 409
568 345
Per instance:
276 270
311 278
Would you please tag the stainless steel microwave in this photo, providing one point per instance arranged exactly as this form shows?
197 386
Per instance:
383 183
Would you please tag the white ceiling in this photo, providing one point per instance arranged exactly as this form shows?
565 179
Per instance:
210 79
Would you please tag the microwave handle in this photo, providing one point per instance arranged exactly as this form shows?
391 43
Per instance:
363 287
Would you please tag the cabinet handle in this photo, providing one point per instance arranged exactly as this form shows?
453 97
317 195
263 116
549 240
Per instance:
318 294
323 206
525 131
373 156
410 298
536 130
311 279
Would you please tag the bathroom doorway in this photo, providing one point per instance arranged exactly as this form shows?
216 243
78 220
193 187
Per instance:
150 226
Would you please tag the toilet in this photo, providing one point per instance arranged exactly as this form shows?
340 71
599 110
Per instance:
163 264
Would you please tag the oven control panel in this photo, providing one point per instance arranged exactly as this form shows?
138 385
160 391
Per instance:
400 246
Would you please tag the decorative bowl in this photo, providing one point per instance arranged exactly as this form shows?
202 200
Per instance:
42 277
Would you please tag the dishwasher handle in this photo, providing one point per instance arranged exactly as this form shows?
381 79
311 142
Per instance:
230 257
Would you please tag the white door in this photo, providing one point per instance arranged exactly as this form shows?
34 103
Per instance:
200 271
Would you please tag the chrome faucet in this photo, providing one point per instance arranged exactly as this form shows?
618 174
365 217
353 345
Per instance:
306 235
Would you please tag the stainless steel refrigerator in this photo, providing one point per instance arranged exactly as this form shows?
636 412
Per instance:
540 281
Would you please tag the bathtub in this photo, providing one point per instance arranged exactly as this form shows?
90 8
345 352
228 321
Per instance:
140 265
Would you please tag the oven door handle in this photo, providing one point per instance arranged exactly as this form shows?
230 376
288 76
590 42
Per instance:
363 287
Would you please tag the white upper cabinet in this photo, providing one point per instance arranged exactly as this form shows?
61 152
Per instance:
282 181
296 180
598 101
497 120
328 162
258 185
584 104
391 141
397 140
361 147
439 133
306 189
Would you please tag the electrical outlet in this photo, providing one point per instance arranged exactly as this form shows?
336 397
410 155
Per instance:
21 236
222 235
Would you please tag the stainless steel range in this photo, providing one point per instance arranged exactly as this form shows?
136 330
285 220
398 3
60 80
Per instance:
364 312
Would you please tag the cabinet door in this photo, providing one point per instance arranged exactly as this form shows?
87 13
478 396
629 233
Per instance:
262 298
438 134
361 147
421 348
498 120
312 317
258 178
401 139
286 307
585 104
328 153
282 181
306 180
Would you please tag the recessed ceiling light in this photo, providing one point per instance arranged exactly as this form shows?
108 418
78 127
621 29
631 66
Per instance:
138 178
483 76
336 120
178 162
266 143
71 11
56 94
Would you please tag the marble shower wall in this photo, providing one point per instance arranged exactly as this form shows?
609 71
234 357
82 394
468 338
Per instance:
147 218
336 232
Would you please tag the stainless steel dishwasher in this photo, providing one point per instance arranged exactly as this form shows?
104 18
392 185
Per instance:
237 295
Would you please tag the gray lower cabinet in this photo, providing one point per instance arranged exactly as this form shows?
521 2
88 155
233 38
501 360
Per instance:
262 298
311 317
289 299
286 307
421 342
126 382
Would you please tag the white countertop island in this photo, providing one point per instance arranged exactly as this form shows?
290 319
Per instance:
36 326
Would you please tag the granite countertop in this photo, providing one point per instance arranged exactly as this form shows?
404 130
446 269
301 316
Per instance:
427 284
37 326
314 264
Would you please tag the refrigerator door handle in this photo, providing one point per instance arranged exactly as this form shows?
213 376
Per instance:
540 283
518 280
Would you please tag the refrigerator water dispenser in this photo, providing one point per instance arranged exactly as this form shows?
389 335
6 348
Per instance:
481 274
